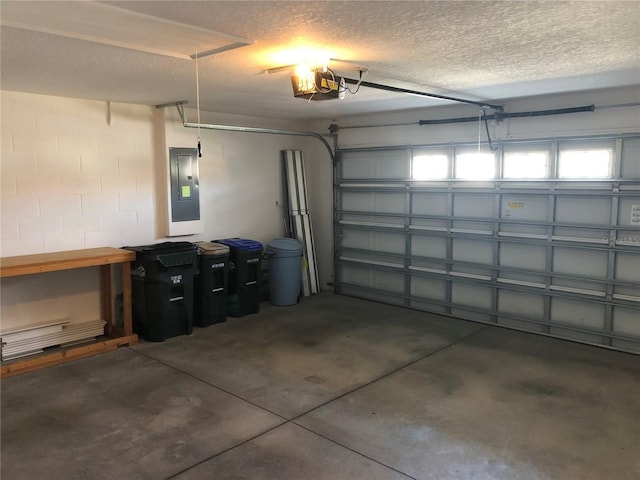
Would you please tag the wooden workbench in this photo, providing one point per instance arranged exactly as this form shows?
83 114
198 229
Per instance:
104 258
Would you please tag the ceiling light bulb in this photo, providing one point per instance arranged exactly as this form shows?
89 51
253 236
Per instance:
306 78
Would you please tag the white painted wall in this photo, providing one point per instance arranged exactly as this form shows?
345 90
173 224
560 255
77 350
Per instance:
69 179
81 173
602 121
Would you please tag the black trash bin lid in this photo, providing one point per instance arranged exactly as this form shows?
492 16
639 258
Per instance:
163 248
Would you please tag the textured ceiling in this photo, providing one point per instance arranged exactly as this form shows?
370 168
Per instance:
478 50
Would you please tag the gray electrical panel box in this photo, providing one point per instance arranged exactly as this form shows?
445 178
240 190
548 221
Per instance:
185 188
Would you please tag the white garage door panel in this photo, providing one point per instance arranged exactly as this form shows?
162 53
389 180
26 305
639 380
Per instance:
371 278
508 279
521 304
625 322
355 275
426 225
627 266
630 154
470 314
581 235
629 238
427 306
388 242
368 294
473 251
348 219
473 205
472 296
425 246
357 239
389 282
514 230
395 223
587 263
429 288
627 294
429 204
374 202
578 287
357 165
389 203
577 335
555 256
629 211
527 257
583 210
373 241
381 164
357 201
524 207
465 226
521 325
577 313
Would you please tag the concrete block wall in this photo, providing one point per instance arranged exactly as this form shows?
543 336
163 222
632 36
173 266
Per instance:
75 174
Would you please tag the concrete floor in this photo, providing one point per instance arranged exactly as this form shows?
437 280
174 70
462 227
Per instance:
333 388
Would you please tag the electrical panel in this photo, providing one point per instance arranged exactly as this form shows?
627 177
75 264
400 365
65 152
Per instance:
185 188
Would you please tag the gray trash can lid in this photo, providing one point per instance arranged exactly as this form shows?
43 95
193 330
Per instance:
284 245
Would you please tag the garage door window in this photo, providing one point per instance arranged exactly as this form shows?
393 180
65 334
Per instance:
585 163
526 165
475 166
430 167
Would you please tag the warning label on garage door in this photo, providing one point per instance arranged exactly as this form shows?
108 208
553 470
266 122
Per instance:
513 209
635 214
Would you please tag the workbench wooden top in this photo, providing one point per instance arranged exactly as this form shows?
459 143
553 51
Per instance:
49 262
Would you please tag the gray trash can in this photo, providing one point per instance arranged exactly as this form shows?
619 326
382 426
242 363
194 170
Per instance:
285 270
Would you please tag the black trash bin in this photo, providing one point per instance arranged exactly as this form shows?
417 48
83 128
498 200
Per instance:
244 276
162 289
210 285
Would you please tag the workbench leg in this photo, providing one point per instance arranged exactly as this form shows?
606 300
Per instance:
107 298
126 298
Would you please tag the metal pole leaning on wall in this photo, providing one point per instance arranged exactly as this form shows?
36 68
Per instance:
299 217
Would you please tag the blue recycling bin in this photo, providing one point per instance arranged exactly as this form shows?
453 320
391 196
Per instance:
244 276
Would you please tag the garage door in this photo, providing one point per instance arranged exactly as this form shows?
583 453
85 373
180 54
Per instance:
542 235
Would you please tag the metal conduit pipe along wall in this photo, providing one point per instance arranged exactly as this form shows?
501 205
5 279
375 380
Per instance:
271 131
233 128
